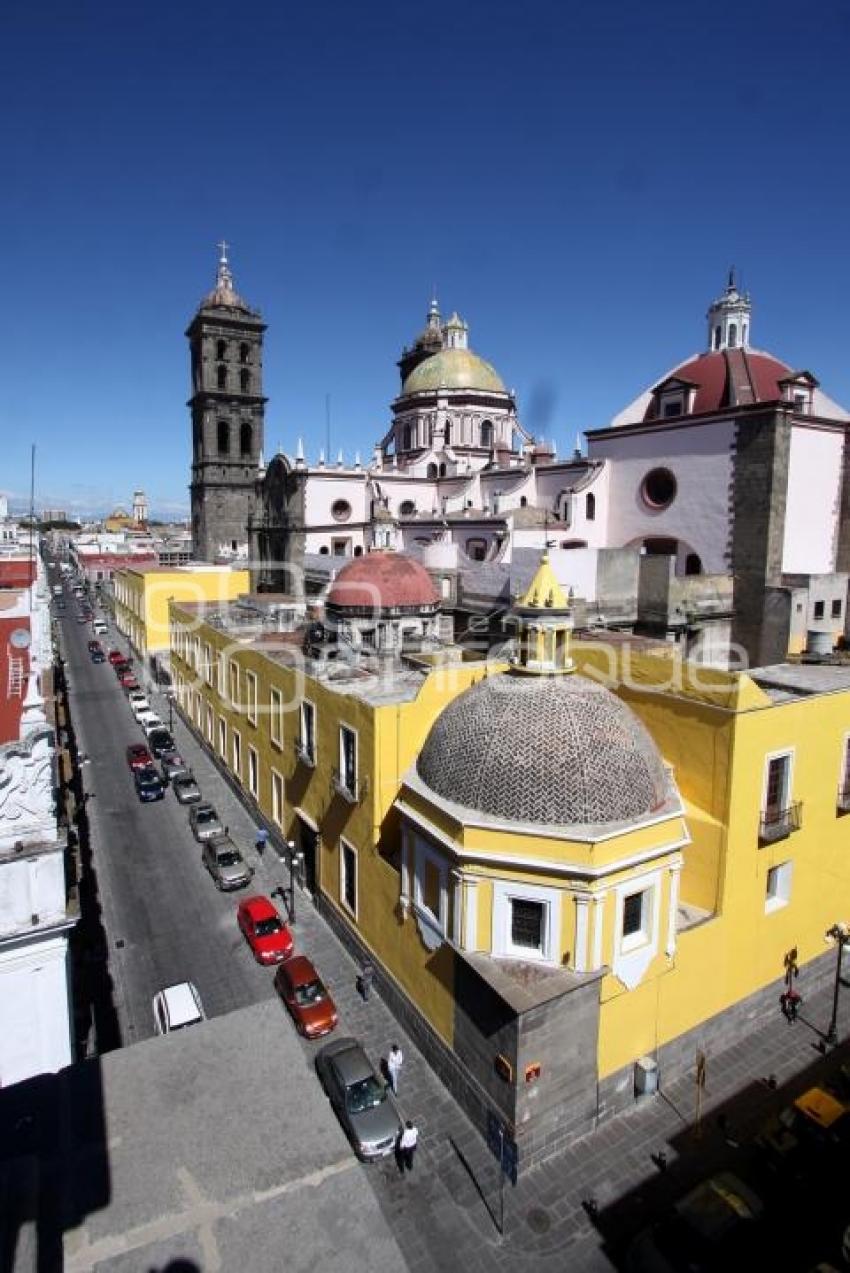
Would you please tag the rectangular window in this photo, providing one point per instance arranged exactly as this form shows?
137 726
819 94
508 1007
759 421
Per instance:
222 674
819 609
527 924
778 890
276 717
210 726
778 772
780 815
348 758
836 609
251 695
431 887
222 738
208 671
253 772
348 882
307 739
234 683
277 798
237 753
637 919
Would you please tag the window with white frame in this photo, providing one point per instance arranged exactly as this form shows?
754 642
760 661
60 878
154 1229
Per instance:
277 798
253 772
778 888
222 737
208 667
237 753
778 815
221 680
636 923
307 739
210 725
430 892
251 697
348 758
276 717
199 707
234 683
526 922
348 876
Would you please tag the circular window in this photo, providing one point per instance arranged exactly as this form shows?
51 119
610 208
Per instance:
407 508
658 489
340 510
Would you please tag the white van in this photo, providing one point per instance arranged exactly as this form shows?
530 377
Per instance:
99 627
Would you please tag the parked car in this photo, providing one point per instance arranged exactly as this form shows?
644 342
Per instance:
176 1007
100 627
186 788
115 656
264 930
362 1103
807 1134
159 740
138 756
138 702
127 681
149 715
713 1226
97 656
305 997
171 764
122 667
93 645
225 863
149 785
205 822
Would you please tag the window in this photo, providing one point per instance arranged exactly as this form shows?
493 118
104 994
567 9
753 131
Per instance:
277 798
276 717
836 609
221 349
245 380
208 676
223 437
222 738
637 916
778 890
244 352
340 510
246 439
251 695
405 438
590 507
487 434
407 508
778 774
442 470
433 472
348 881
253 772
672 407
234 683
348 759
693 564
780 815
800 402
717 337
221 377
210 726
341 547
658 488
431 887
733 335
222 673
528 921
819 608
308 732
448 433
237 753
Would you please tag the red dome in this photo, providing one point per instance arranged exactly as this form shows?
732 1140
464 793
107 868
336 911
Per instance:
729 378
383 581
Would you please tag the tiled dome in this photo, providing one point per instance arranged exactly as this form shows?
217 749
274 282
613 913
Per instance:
383 581
453 369
558 751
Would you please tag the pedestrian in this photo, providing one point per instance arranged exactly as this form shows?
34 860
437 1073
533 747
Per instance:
367 976
407 1145
261 841
395 1061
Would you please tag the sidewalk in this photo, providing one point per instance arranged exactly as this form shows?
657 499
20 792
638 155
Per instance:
445 1214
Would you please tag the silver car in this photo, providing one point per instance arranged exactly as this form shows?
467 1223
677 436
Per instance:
186 788
205 822
226 864
362 1102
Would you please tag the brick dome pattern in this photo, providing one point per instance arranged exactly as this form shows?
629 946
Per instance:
383 581
556 751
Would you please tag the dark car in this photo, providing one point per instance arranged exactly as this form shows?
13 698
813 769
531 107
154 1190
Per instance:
361 1101
97 656
94 645
160 741
138 756
717 1225
149 785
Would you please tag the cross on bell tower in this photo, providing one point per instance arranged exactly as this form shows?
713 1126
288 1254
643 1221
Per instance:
228 417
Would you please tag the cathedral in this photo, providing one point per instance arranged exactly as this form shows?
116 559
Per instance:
712 467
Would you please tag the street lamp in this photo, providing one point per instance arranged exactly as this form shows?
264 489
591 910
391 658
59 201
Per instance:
295 858
169 694
840 935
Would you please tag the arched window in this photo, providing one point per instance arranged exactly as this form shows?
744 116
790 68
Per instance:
407 508
244 352
523 501
324 551
405 438
733 335
246 439
221 377
487 434
693 564
442 470
358 550
744 334
245 381
448 433
223 437
220 349
590 508
433 471
717 336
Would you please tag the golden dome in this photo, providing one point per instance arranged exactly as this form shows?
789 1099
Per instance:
453 369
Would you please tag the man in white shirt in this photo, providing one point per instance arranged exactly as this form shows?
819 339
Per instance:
407 1146
394 1064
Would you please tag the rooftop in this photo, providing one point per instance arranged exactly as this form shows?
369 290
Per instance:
786 681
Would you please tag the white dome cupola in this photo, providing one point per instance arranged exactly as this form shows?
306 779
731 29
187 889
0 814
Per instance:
729 319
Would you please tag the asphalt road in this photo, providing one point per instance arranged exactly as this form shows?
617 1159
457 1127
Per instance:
164 918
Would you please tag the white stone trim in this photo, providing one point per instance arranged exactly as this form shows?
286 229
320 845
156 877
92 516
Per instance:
598 929
504 893
634 954
582 905
456 877
672 903
470 913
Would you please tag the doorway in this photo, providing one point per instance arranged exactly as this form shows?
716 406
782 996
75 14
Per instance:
308 843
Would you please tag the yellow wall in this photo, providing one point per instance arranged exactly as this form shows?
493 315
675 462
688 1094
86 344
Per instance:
142 597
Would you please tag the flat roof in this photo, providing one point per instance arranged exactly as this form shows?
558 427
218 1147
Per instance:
786 681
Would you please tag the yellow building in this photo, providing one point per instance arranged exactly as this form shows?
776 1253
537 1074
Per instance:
568 870
142 595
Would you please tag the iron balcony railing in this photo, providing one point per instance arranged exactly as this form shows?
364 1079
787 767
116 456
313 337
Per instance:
778 823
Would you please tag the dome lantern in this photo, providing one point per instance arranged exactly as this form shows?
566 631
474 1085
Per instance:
729 319
544 617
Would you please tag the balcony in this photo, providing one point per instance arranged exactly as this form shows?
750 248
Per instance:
304 754
346 786
778 823
842 802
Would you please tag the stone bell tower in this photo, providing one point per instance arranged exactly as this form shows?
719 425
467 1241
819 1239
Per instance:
228 413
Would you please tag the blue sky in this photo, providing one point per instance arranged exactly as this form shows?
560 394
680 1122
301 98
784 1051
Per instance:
574 179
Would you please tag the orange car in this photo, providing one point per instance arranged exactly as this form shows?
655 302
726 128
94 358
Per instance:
305 996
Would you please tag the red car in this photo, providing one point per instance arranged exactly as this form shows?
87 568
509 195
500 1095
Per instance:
138 756
264 930
305 996
93 645
128 681
115 656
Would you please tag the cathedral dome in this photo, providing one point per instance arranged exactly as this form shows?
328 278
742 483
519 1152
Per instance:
383 581
555 751
453 369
